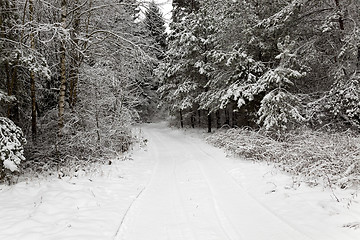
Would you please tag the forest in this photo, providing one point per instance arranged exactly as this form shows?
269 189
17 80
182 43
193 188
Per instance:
75 75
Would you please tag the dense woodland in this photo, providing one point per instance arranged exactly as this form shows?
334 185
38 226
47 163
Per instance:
75 74
261 63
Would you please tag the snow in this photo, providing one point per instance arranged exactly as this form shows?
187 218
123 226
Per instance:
10 165
11 145
177 187
90 206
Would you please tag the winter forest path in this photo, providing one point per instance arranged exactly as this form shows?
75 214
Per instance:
192 197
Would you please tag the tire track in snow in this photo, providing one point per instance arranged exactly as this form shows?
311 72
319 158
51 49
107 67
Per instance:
136 212
209 207
182 207
227 229
128 213
296 233
180 193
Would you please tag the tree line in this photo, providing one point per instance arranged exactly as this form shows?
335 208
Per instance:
263 64
74 75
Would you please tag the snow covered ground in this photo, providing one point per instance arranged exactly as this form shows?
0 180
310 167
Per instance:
179 188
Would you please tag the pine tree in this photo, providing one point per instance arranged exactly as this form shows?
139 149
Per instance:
11 147
8 46
155 23
185 71
279 108
184 6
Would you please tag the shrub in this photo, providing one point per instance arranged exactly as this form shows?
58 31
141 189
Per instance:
11 147
311 155
80 145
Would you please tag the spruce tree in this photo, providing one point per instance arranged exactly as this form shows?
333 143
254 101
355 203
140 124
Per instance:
280 108
187 6
155 23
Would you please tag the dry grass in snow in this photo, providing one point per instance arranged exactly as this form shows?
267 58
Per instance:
333 158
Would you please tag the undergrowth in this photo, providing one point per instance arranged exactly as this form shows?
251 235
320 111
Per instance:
80 146
333 158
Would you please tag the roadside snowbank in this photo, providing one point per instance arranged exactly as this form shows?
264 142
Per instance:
90 206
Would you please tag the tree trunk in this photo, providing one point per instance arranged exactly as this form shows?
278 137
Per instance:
33 106
233 116
341 19
10 72
74 67
192 120
218 122
341 26
62 69
97 98
13 110
32 76
199 113
227 116
209 122
181 119
8 85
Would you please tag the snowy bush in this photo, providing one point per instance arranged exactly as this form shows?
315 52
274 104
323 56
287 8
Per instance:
279 109
11 146
97 129
311 155
345 100
339 108
6 98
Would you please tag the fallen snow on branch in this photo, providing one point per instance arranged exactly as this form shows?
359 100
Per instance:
11 145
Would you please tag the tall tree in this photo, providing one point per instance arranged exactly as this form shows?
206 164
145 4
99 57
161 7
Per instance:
155 23
32 74
76 58
62 65
9 37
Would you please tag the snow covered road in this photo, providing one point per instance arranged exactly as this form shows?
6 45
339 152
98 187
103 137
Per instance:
177 188
193 197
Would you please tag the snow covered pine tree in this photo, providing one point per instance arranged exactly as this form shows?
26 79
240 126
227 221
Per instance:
11 147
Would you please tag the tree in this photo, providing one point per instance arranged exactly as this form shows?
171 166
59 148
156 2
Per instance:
203 44
182 73
32 74
11 147
8 68
53 54
63 79
155 23
243 55
279 108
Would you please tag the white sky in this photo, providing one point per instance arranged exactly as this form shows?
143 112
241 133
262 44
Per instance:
166 7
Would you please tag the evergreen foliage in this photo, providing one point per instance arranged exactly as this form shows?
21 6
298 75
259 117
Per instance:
155 26
12 143
155 23
237 56
279 107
